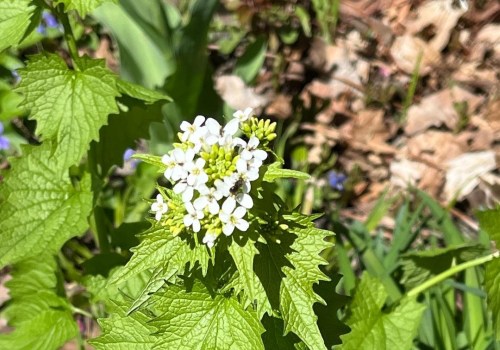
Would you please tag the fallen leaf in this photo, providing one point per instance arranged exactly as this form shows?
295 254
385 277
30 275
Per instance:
442 15
463 172
438 109
406 51
405 173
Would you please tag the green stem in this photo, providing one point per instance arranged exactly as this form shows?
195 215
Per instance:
79 311
450 272
68 34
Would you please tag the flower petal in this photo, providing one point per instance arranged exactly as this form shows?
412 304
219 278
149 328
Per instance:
229 205
228 229
242 225
239 212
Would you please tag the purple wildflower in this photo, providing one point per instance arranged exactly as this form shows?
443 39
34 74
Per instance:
127 157
4 142
336 180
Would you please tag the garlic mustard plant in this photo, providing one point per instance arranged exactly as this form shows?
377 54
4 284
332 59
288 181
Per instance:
212 170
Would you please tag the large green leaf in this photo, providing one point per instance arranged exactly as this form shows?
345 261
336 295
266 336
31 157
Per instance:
490 223
121 331
196 320
288 266
15 20
83 7
69 106
42 319
372 328
142 108
40 208
247 281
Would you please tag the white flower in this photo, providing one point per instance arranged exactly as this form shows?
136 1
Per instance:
230 129
192 218
181 157
250 151
245 200
183 188
209 239
213 131
208 198
192 131
197 175
232 217
246 174
243 116
159 207
170 163
223 187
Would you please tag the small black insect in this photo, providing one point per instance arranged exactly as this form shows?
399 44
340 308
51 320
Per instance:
236 187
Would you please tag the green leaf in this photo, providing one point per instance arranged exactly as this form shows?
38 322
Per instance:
123 131
249 64
247 281
196 320
144 60
83 7
489 221
153 160
273 337
421 265
69 106
166 255
288 267
42 319
16 17
121 331
297 296
372 328
274 172
40 208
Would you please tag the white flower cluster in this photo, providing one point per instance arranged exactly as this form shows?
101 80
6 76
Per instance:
212 170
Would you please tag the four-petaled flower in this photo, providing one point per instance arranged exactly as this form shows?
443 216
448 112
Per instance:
159 207
193 216
232 217
192 132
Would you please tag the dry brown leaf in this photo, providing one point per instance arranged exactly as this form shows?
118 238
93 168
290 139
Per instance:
280 106
438 109
406 51
463 172
237 95
369 126
442 15
488 39
348 72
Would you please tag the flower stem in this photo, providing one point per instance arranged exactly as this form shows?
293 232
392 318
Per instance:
450 272
68 34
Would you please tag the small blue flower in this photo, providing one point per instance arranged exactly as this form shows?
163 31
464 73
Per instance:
336 180
16 76
127 157
4 142
48 21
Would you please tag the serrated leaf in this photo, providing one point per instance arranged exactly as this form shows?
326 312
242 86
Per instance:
124 130
83 7
489 221
42 319
274 172
297 295
372 328
70 106
165 254
121 331
247 280
274 339
196 320
15 20
288 267
40 208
